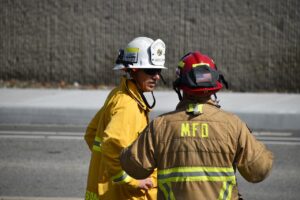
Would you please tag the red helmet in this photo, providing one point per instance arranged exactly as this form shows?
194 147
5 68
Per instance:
197 74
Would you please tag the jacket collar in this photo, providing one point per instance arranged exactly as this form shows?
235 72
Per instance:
130 87
183 104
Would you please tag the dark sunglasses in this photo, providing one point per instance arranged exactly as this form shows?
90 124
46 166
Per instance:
152 72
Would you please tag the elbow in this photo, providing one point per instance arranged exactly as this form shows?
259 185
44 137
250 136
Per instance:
258 170
132 167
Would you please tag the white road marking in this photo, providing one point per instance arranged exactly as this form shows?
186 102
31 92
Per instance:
276 138
272 133
41 135
281 143
280 138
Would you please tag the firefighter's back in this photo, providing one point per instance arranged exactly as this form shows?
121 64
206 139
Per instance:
197 152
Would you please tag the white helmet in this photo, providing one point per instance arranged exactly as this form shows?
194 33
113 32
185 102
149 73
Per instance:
142 52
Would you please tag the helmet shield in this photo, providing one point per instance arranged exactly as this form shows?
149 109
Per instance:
200 76
157 52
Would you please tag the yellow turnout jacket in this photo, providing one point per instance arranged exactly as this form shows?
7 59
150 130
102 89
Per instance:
196 150
116 125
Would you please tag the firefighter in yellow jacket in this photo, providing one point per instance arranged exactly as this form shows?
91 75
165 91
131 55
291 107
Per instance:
198 147
119 122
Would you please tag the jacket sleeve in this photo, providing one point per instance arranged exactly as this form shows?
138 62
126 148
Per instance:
254 160
120 132
138 160
91 130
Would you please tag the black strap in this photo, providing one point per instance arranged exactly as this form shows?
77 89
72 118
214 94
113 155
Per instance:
176 89
163 80
216 101
120 59
146 102
222 79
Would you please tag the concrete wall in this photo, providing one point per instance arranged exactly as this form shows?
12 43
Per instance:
255 43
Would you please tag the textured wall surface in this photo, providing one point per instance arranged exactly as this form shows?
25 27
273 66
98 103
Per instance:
255 43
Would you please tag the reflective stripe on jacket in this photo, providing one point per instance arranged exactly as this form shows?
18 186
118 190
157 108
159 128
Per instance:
115 126
197 149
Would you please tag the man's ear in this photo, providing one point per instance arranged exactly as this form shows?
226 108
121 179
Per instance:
133 71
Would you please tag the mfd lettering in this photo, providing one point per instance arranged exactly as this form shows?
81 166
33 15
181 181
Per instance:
194 129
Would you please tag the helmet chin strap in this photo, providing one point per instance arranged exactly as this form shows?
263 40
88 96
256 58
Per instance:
163 80
154 100
176 89
144 98
146 102
216 100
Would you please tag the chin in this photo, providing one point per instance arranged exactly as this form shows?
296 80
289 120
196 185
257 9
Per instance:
149 89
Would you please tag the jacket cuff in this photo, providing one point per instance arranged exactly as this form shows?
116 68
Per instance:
123 178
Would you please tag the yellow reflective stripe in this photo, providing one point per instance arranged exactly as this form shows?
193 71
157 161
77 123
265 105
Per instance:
200 108
190 108
193 169
221 195
97 144
181 64
226 191
187 174
98 139
167 190
121 177
164 190
96 148
91 196
132 50
231 184
198 178
200 64
195 108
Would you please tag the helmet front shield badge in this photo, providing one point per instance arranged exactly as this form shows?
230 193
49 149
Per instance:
157 52
142 53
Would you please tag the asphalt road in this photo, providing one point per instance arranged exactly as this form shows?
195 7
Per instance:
53 162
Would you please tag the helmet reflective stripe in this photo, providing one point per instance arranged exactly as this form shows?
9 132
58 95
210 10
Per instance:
132 50
190 174
131 55
142 52
200 64
181 64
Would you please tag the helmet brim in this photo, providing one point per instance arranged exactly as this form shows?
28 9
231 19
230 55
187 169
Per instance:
121 66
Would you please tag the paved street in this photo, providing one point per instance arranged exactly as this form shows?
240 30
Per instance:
53 162
43 155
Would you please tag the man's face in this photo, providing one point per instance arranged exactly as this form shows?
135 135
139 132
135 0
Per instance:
146 78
